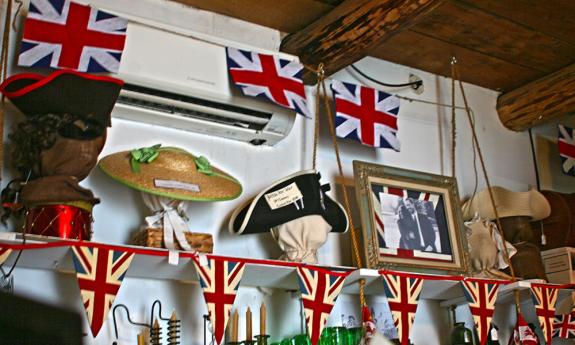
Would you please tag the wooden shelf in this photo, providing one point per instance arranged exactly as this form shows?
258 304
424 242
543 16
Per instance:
269 273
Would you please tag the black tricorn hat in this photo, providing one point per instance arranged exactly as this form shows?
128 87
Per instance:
86 96
292 197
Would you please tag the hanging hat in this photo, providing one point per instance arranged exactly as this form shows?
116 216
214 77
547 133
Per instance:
171 172
531 204
292 197
87 96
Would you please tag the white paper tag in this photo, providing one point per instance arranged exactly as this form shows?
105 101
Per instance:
173 257
203 260
283 197
171 184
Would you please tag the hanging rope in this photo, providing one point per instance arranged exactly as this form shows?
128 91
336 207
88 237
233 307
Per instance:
4 67
453 128
321 92
456 76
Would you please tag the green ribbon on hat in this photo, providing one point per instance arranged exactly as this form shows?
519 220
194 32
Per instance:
203 165
143 155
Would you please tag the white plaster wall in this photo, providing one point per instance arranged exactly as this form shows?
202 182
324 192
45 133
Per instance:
424 134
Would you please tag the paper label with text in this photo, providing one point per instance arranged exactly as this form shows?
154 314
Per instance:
283 197
171 184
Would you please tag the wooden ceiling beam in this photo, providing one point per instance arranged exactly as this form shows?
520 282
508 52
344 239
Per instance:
347 33
539 101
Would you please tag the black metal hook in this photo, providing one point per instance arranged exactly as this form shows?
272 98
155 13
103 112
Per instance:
129 320
159 303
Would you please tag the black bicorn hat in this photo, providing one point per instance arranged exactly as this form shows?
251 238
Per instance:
295 196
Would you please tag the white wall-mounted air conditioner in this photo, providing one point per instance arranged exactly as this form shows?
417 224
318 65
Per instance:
181 82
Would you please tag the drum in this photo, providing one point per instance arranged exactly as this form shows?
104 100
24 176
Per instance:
62 221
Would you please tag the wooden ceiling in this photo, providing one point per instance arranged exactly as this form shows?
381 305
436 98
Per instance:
523 48
499 44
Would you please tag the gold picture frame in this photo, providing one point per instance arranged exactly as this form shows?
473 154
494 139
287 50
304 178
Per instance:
411 220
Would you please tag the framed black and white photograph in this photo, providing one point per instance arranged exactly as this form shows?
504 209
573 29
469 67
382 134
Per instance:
410 219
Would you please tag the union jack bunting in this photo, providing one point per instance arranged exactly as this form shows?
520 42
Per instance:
100 273
4 254
391 198
402 295
319 291
481 296
366 115
219 279
567 149
544 299
274 78
564 326
64 34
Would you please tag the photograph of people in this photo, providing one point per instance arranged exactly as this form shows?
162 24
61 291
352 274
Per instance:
416 230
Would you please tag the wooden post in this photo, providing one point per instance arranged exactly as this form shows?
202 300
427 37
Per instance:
538 101
345 34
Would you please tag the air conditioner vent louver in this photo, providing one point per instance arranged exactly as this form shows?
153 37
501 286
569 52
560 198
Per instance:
192 107
191 90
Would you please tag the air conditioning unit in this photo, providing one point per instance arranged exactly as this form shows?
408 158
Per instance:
181 82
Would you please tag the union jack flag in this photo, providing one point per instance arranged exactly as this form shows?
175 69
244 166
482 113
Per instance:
564 326
567 149
366 115
64 34
219 279
100 273
319 291
544 299
402 295
4 254
481 296
276 79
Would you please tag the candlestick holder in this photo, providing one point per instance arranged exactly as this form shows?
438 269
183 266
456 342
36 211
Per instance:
234 343
262 339
249 342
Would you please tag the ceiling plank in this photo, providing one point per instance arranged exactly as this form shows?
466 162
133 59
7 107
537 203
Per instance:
432 55
286 16
553 18
550 97
477 30
344 35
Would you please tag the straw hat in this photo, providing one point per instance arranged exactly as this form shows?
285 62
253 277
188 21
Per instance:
531 204
293 197
171 172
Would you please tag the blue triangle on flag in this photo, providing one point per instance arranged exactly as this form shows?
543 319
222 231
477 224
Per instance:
283 62
101 15
353 134
25 46
94 66
247 54
382 95
44 62
116 55
394 111
33 9
57 4
350 87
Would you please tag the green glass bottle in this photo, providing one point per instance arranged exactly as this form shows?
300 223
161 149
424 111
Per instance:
461 335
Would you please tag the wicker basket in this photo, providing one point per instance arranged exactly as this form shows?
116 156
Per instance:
153 237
